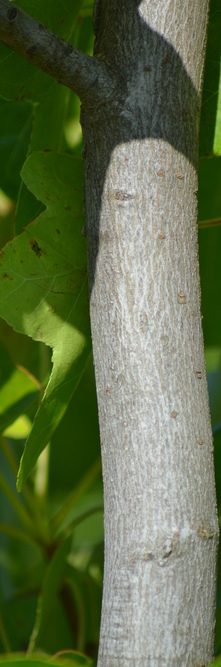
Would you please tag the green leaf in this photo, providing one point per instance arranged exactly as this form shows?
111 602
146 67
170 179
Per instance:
73 659
210 274
51 586
210 247
43 287
28 208
217 454
15 130
49 119
19 429
210 123
18 390
58 17
47 134
209 205
217 132
84 440
65 514
214 385
217 662
18 78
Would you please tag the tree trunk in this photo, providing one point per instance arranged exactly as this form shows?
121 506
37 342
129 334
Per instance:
141 101
140 150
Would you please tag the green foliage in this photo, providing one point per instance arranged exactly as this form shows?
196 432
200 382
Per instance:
69 659
15 132
18 390
51 534
19 79
48 277
210 126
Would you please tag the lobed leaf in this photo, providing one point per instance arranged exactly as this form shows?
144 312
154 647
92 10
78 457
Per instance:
43 287
47 134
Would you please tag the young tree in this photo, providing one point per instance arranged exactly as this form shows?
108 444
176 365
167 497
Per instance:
141 96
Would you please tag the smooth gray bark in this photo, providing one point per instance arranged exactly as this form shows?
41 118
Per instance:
141 152
141 101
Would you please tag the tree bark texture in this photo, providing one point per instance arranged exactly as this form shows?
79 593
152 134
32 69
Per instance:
141 97
141 151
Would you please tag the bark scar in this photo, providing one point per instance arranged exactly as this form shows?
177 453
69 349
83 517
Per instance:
12 14
121 195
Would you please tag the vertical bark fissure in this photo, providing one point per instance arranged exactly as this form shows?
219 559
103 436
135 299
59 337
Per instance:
140 154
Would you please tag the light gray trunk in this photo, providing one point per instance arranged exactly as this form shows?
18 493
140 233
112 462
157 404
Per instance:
140 150
141 101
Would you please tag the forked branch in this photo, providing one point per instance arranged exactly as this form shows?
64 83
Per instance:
90 78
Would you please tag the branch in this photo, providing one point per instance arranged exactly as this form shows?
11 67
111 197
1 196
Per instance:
89 77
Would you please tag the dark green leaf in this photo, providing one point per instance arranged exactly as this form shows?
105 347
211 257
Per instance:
51 586
209 188
210 272
15 130
210 247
